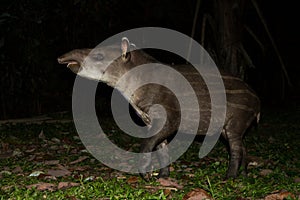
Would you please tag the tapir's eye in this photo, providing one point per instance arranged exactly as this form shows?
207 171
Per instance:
97 57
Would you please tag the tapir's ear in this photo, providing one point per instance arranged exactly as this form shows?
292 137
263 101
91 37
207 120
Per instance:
125 47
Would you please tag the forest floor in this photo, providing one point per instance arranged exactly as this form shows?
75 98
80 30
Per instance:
44 158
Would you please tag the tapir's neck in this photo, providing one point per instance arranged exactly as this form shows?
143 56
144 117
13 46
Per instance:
120 67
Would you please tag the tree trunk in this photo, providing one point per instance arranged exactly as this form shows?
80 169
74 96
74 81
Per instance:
229 18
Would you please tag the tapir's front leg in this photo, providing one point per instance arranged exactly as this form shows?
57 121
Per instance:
157 141
147 147
164 159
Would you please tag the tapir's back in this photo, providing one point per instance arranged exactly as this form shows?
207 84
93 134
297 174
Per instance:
241 102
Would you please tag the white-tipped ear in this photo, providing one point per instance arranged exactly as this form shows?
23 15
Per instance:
125 45
126 39
133 45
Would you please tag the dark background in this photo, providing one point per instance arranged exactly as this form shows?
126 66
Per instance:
33 33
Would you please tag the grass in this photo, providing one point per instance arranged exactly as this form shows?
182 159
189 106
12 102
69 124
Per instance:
25 148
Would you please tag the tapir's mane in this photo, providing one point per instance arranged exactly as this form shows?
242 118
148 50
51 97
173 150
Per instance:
140 53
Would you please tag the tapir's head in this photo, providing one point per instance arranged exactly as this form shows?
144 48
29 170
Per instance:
103 64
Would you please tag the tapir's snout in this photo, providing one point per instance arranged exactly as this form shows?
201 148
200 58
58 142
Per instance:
74 59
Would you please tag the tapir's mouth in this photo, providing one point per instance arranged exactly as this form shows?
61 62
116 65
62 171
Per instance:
74 59
72 64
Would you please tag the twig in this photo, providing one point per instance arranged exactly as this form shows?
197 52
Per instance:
160 188
272 42
260 44
193 29
203 30
37 120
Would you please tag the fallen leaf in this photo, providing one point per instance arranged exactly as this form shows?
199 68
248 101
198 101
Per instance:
197 194
155 188
132 180
7 188
80 159
17 152
168 182
30 150
188 169
65 185
6 168
121 177
265 172
31 157
42 136
72 198
297 180
42 186
84 151
171 169
51 162
74 151
80 168
54 147
36 173
279 196
167 192
17 170
6 155
58 172
190 175
47 177
55 140
5 146
76 138
90 178
5 172
254 162
271 140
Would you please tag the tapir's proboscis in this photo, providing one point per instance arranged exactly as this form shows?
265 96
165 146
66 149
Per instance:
242 106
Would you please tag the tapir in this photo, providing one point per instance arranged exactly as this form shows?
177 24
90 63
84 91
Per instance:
242 106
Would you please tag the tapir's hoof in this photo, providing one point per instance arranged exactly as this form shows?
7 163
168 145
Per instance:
149 176
164 173
230 176
234 174
146 176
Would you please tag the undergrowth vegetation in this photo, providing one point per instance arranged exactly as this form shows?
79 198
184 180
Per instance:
47 160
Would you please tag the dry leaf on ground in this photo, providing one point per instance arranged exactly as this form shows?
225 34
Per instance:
197 194
42 186
58 172
265 172
17 170
168 182
132 180
65 185
51 162
80 159
279 196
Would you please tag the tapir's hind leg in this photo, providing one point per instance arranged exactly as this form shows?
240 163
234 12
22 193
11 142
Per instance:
244 163
234 132
236 154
